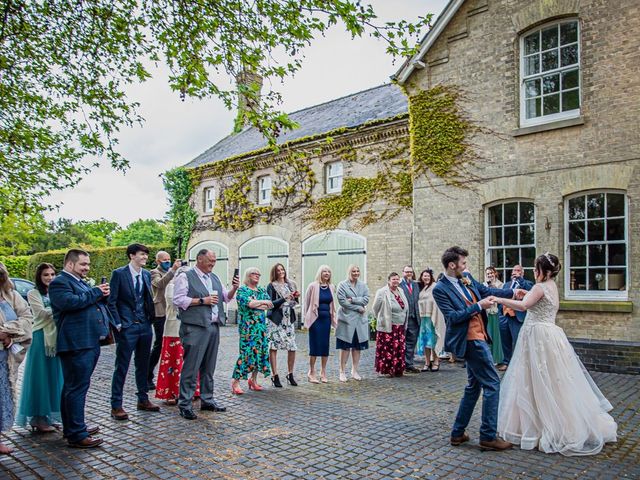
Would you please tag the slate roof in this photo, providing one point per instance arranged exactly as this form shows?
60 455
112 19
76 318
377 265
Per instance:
378 103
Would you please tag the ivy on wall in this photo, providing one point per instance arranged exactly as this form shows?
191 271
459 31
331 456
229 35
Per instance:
180 185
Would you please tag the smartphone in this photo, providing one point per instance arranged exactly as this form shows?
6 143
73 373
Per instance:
103 280
184 263
236 272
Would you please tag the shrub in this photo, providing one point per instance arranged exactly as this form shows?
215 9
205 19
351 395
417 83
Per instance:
17 265
103 260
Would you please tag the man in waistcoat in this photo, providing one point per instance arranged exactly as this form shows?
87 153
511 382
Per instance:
199 296
412 327
131 306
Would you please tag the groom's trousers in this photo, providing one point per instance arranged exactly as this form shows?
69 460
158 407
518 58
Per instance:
481 375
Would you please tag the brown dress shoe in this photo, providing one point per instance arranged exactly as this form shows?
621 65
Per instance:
88 442
147 406
119 414
92 430
502 367
455 441
495 444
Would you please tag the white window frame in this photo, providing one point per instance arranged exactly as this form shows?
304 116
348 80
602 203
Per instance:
519 246
209 199
595 294
264 190
524 121
331 186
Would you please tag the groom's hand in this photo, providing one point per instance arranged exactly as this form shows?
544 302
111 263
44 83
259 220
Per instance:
486 303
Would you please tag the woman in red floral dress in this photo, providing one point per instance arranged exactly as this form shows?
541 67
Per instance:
390 308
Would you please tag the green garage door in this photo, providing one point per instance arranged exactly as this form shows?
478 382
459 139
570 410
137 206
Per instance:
263 253
222 263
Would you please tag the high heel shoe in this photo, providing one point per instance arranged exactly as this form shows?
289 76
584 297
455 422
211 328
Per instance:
343 377
42 429
312 378
291 380
275 380
355 375
323 378
254 386
235 389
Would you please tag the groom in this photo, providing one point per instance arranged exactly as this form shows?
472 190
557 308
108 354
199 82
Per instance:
462 302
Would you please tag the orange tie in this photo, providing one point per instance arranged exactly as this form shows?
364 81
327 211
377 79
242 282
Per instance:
508 311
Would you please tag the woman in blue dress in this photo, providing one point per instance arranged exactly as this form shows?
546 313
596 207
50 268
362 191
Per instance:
319 317
42 383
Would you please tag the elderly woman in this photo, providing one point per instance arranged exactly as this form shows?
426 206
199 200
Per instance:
42 380
253 302
15 339
493 325
390 308
281 327
428 337
352 334
171 355
319 317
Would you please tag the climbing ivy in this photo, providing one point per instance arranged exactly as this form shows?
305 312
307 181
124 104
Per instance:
180 185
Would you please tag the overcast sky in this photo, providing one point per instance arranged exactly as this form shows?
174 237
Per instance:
175 132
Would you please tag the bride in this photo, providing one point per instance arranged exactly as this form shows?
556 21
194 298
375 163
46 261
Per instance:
548 399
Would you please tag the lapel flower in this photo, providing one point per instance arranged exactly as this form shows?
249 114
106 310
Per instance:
466 281
90 281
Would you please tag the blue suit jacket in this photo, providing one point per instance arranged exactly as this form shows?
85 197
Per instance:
412 297
524 284
457 314
122 300
80 314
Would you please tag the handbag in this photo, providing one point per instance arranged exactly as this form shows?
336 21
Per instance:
109 339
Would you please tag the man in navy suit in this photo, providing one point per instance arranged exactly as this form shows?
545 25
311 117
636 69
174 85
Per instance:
412 327
510 320
463 302
131 306
82 319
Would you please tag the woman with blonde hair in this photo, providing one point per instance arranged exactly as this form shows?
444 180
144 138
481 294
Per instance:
319 317
15 339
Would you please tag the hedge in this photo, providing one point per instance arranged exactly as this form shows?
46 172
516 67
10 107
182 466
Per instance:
103 260
17 265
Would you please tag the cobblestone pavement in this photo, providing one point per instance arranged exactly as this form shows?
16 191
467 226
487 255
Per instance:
379 428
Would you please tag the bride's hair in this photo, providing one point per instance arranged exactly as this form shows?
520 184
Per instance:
548 264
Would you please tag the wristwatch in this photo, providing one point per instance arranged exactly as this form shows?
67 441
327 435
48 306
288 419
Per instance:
201 301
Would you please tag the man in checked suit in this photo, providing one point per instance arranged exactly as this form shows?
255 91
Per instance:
412 328
131 306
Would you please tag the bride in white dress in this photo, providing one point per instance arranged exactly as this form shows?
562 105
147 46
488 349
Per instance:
548 399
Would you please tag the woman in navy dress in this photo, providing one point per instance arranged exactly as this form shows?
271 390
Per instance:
319 317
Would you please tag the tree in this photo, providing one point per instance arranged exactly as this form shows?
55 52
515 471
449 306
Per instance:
64 67
20 233
100 232
148 232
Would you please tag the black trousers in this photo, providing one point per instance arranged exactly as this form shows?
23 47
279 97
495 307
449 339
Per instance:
156 349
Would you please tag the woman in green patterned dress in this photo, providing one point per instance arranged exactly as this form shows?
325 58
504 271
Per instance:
253 302
493 324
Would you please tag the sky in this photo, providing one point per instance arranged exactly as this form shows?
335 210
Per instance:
175 131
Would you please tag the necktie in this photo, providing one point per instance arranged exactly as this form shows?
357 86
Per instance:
138 286
465 291
409 287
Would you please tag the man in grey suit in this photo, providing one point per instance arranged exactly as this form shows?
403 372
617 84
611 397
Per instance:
200 296
412 328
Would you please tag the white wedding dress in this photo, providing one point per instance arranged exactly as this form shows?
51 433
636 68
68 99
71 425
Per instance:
548 399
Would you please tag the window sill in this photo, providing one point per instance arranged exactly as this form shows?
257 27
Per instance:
596 306
544 127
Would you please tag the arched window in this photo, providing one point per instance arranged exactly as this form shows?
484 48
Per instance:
221 268
263 253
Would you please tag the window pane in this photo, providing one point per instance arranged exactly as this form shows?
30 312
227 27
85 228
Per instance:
511 257
570 79
533 108
578 279
569 55
570 100
528 256
551 83
549 60
615 229
595 205
597 255
576 208
597 280
568 33
616 254
615 205
527 212
617 280
495 237
550 37
532 88
576 232
578 255
497 258
529 274
532 43
595 230
526 235
511 235
551 104
495 215
511 213
532 64
337 168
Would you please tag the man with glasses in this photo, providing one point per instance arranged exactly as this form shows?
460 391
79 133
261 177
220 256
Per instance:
412 327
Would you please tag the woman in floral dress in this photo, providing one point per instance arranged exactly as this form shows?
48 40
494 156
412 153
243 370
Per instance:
253 301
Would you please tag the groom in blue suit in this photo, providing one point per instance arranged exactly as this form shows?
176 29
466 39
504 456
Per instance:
463 302
131 306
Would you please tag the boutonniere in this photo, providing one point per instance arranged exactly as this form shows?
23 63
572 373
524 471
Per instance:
466 281
90 281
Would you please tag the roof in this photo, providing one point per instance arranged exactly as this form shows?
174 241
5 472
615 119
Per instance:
427 41
378 103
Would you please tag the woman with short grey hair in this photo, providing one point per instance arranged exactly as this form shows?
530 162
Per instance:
352 334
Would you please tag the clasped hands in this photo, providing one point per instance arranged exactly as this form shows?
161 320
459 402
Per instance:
488 302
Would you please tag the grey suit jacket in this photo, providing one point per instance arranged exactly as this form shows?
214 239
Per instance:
350 320
413 298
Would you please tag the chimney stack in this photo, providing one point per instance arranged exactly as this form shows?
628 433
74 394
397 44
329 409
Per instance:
249 90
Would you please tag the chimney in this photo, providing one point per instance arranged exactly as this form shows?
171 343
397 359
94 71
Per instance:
249 89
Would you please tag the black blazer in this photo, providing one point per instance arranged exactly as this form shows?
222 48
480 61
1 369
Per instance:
122 300
275 314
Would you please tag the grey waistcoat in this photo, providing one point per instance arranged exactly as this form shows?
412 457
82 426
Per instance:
201 314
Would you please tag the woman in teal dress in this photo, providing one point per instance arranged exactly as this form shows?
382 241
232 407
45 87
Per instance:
493 325
428 336
42 384
253 301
